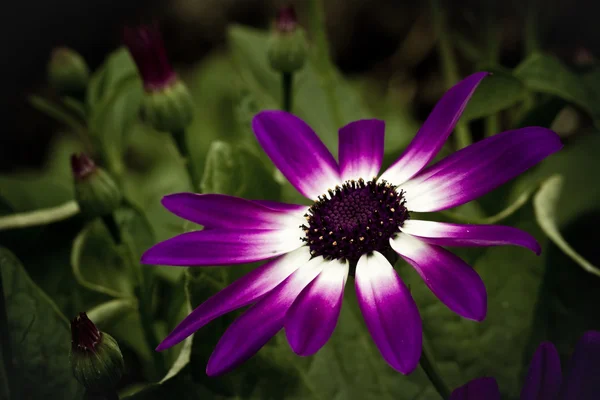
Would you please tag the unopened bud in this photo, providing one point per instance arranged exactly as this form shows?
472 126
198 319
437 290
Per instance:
167 104
287 46
68 72
96 359
95 191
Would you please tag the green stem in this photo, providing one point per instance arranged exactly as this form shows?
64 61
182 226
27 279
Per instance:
39 217
113 228
287 82
182 147
428 364
322 59
144 294
449 66
532 44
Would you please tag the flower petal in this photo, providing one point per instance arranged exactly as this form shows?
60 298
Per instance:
434 132
581 381
239 294
361 149
297 151
452 280
276 205
479 168
313 316
446 234
390 312
253 329
229 212
544 377
478 389
221 247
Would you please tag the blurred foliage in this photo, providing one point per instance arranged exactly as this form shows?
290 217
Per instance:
75 265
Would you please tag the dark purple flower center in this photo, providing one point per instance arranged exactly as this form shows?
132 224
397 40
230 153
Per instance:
84 334
357 218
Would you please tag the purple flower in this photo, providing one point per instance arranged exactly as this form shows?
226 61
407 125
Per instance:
356 223
544 380
145 44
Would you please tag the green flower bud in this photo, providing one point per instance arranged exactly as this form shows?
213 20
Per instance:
169 109
96 359
95 191
287 46
68 72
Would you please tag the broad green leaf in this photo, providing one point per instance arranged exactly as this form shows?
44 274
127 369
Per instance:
546 74
545 203
497 92
104 267
494 347
118 67
40 338
155 169
112 119
237 171
568 302
108 313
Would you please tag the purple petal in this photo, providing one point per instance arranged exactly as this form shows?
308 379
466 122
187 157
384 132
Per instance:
222 247
581 381
239 294
390 312
544 376
446 234
452 280
278 206
253 329
434 132
313 316
297 151
479 168
478 389
361 149
228 212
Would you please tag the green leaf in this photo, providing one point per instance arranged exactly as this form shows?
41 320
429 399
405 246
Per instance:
111 121
546 203
100 265
497 92
118 67
40 338
237 171
106 314
546 74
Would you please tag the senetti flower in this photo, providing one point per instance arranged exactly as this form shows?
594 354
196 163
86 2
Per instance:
357 223
544 379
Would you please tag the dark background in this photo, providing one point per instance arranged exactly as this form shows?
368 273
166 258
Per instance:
364 36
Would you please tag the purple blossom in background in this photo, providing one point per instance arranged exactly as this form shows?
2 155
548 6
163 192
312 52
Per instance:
355 225
544 380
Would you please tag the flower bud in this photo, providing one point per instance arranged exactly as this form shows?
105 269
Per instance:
95 191
96 359
68 72
170 109
167 104
287 46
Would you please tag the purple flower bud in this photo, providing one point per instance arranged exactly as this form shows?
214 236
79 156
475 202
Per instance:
84 334
82 166
146 46
286 19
